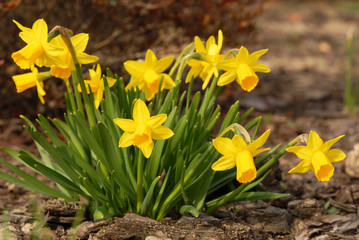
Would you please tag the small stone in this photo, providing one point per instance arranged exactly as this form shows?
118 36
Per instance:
352 162
27 228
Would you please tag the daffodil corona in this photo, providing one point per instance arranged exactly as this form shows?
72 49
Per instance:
147 75
242 69
317 156
32 79
236 152
206 66
97 85
142 129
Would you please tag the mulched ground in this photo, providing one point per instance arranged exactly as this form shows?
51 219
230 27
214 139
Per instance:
304 91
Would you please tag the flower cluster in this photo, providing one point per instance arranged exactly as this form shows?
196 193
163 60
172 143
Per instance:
53 54
145 147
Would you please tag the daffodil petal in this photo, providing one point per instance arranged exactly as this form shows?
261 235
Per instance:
147 150
328 144
151 59
111 81
127 125
157 120
224 146
126 140
228 64
224 163
167 81
98 97
335 155
27 34
253 57
163 64
208 77
220 39
140 112
226 78
260 67
302 167
239 142
210 41
303 152
79 41
199 45
85 58
161 132
258 151
242 55
314 141
259 142
40 29
134 68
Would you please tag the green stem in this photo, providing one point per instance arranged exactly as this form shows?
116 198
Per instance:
65 35
77 93
139 180
70 93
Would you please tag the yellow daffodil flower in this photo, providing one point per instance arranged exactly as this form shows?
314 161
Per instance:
147 75
79 42
236 152
97 85
142 129
37 50
206 66
32 79
317 156
242 68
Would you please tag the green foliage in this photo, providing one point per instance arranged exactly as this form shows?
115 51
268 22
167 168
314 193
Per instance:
80 152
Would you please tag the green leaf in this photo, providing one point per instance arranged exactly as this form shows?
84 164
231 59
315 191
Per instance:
30 182
249 196
146 204
48 172
189 209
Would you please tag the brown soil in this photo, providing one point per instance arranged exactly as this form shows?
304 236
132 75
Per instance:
304 91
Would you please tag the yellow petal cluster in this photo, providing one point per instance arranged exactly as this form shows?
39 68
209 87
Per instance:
37 50
97 85
242 68
142 129
206 66
317 156
79 42
147 75
236 152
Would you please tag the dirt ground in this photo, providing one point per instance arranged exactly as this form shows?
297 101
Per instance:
304 91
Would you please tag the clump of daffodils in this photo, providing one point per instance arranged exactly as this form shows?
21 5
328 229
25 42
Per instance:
145 146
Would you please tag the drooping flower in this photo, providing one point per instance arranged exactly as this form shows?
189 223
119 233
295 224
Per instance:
147 75
317 156
37 50
206 66
242 68
79 42
97 85
32 79
142 129
236 152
